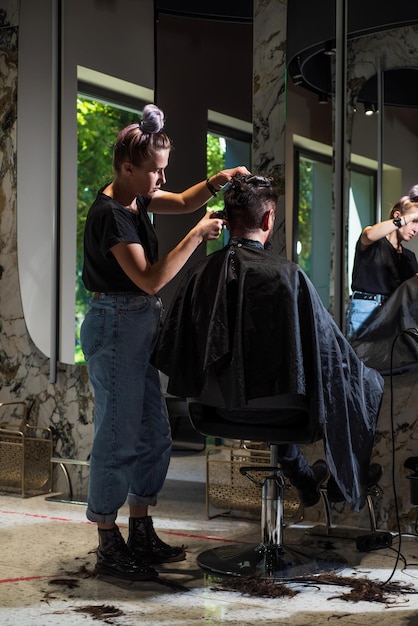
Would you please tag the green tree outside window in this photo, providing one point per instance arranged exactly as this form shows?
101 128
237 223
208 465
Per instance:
97 127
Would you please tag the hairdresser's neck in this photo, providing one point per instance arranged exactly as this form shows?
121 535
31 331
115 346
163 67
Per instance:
122 194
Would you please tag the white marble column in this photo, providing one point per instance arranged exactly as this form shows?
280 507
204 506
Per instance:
269 101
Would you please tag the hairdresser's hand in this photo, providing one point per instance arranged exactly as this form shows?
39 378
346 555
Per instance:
210 226
222 178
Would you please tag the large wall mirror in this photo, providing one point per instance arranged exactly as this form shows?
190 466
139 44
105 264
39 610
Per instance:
381 127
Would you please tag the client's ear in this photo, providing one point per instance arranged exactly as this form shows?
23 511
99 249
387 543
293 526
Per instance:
268 220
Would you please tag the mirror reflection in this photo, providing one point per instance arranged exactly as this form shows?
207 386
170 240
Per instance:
379 169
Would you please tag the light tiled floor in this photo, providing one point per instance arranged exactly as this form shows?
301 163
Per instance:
47 558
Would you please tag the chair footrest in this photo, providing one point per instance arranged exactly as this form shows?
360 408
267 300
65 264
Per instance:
74 498
70 496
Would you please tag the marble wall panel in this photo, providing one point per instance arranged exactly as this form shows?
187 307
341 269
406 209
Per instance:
66 406
269 101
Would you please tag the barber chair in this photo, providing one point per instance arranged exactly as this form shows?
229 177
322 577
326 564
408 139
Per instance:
281 419
184 437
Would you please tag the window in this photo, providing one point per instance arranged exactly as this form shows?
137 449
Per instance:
229 143
98 123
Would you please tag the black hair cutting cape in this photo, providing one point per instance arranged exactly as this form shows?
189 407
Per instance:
278 338
388 340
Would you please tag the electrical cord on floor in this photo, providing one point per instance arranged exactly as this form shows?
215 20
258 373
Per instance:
402 557
413 332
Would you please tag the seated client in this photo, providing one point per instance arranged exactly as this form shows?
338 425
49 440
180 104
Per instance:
245 309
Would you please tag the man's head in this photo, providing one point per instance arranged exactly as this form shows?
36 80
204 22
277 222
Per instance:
250 205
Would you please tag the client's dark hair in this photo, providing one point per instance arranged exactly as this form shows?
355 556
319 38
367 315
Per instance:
247 199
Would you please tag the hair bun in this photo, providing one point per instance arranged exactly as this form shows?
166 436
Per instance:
152 119
413 193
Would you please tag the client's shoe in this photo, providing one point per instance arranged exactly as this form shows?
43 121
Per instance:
147 547
374 474
115 559
311 493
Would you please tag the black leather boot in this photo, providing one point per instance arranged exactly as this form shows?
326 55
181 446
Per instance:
145 544
307 479
115 559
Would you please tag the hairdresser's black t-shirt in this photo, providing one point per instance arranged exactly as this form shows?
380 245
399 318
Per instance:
381 269
109 223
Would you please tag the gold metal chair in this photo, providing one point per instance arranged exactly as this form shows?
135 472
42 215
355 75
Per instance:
25 452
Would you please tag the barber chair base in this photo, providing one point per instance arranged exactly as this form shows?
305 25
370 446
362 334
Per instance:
272 558
270 562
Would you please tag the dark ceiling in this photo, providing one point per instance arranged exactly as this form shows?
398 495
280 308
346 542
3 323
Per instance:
311 32
227 10
310 39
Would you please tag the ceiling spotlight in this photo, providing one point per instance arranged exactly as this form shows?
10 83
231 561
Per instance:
368 108
297 77
329 49
323 98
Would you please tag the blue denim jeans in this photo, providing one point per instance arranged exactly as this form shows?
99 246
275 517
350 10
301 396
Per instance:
357 314
132 440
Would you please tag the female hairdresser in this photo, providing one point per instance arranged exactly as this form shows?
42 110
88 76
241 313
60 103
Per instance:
132 441
381 262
